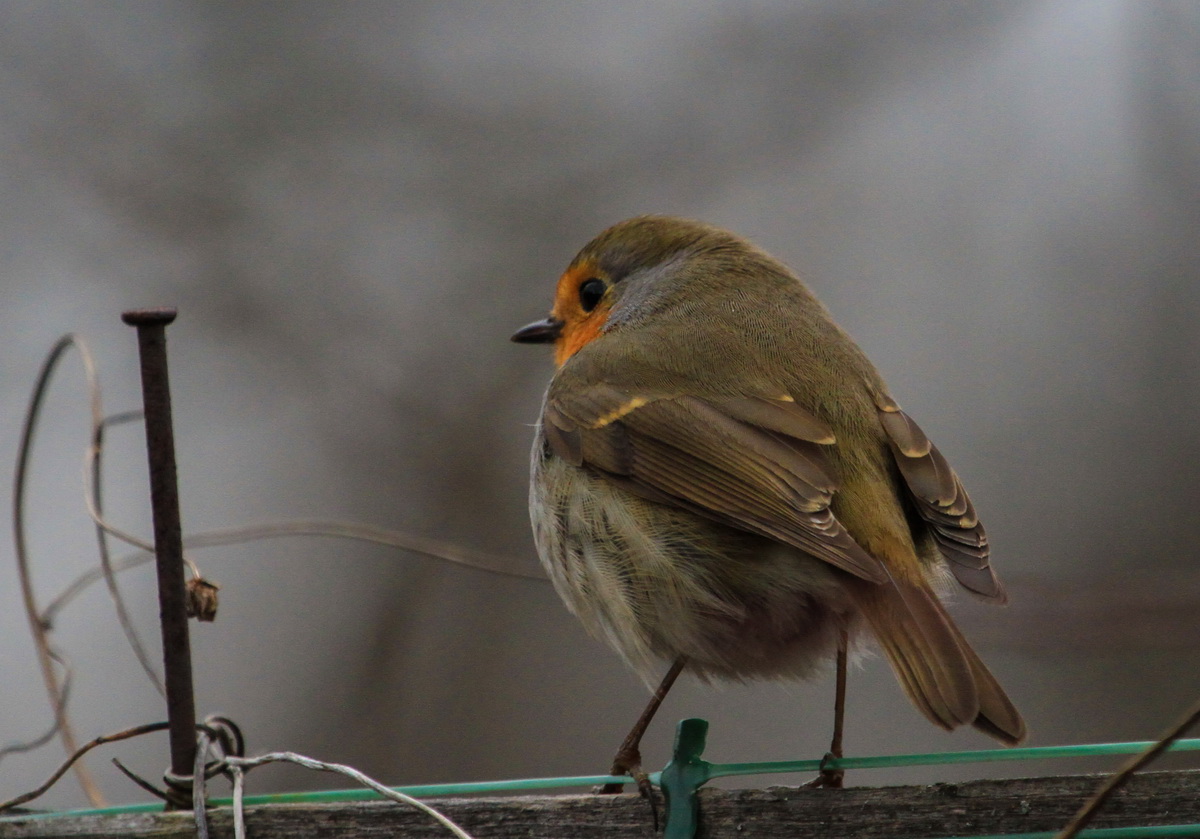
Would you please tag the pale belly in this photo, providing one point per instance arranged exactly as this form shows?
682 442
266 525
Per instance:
658 583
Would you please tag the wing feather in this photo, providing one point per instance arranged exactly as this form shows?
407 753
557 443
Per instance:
758 464
943 503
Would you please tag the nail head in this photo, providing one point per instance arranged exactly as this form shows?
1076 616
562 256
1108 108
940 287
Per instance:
156 316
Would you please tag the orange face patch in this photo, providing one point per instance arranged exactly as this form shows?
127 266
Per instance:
579 326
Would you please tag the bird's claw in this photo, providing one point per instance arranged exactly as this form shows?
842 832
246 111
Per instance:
827 778
629 762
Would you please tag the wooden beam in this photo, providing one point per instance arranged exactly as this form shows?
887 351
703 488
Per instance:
919 812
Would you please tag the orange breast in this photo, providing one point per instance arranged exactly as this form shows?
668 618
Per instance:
576 335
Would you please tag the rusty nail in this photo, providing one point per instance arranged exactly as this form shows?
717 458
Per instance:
168 535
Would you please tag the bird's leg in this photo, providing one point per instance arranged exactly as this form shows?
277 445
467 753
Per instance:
629 757
833 778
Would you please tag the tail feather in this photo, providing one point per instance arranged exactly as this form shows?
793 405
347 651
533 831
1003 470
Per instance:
934 664
997 717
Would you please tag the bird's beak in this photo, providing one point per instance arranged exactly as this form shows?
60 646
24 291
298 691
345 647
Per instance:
539 332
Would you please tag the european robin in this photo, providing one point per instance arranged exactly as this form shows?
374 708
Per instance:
721 479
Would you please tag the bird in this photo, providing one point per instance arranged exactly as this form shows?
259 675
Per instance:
721 479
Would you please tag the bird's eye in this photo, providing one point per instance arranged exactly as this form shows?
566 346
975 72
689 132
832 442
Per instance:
591 293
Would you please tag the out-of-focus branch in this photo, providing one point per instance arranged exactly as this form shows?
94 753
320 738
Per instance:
1093 804
75 756
437 549
37 626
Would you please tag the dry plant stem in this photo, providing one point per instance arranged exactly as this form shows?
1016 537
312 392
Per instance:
1093 805
433 548
81 583
78 753
140 781
36 625
238 765
93 496
43 739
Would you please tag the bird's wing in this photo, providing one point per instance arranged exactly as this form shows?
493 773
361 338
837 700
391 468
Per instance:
755 463
942 502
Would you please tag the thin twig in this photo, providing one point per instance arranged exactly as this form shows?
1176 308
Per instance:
136 731
36 742
93 489
91 497
82 582
215 730
140 781
434 548
1098 799
93 474
36 625
479 560
238 764
43 739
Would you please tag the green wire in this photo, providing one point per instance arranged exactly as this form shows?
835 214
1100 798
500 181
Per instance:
1106 833
717 770
687 772
330 796
708 770
434 790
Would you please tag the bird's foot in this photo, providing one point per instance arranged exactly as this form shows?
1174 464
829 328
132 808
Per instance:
828 778
629 762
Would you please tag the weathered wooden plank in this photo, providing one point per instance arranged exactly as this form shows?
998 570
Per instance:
941 810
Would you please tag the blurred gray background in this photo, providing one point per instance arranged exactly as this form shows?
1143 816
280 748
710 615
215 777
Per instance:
354 205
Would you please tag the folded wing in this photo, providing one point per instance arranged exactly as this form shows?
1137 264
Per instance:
758 464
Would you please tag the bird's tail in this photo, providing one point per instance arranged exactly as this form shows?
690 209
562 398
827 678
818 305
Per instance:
935 665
